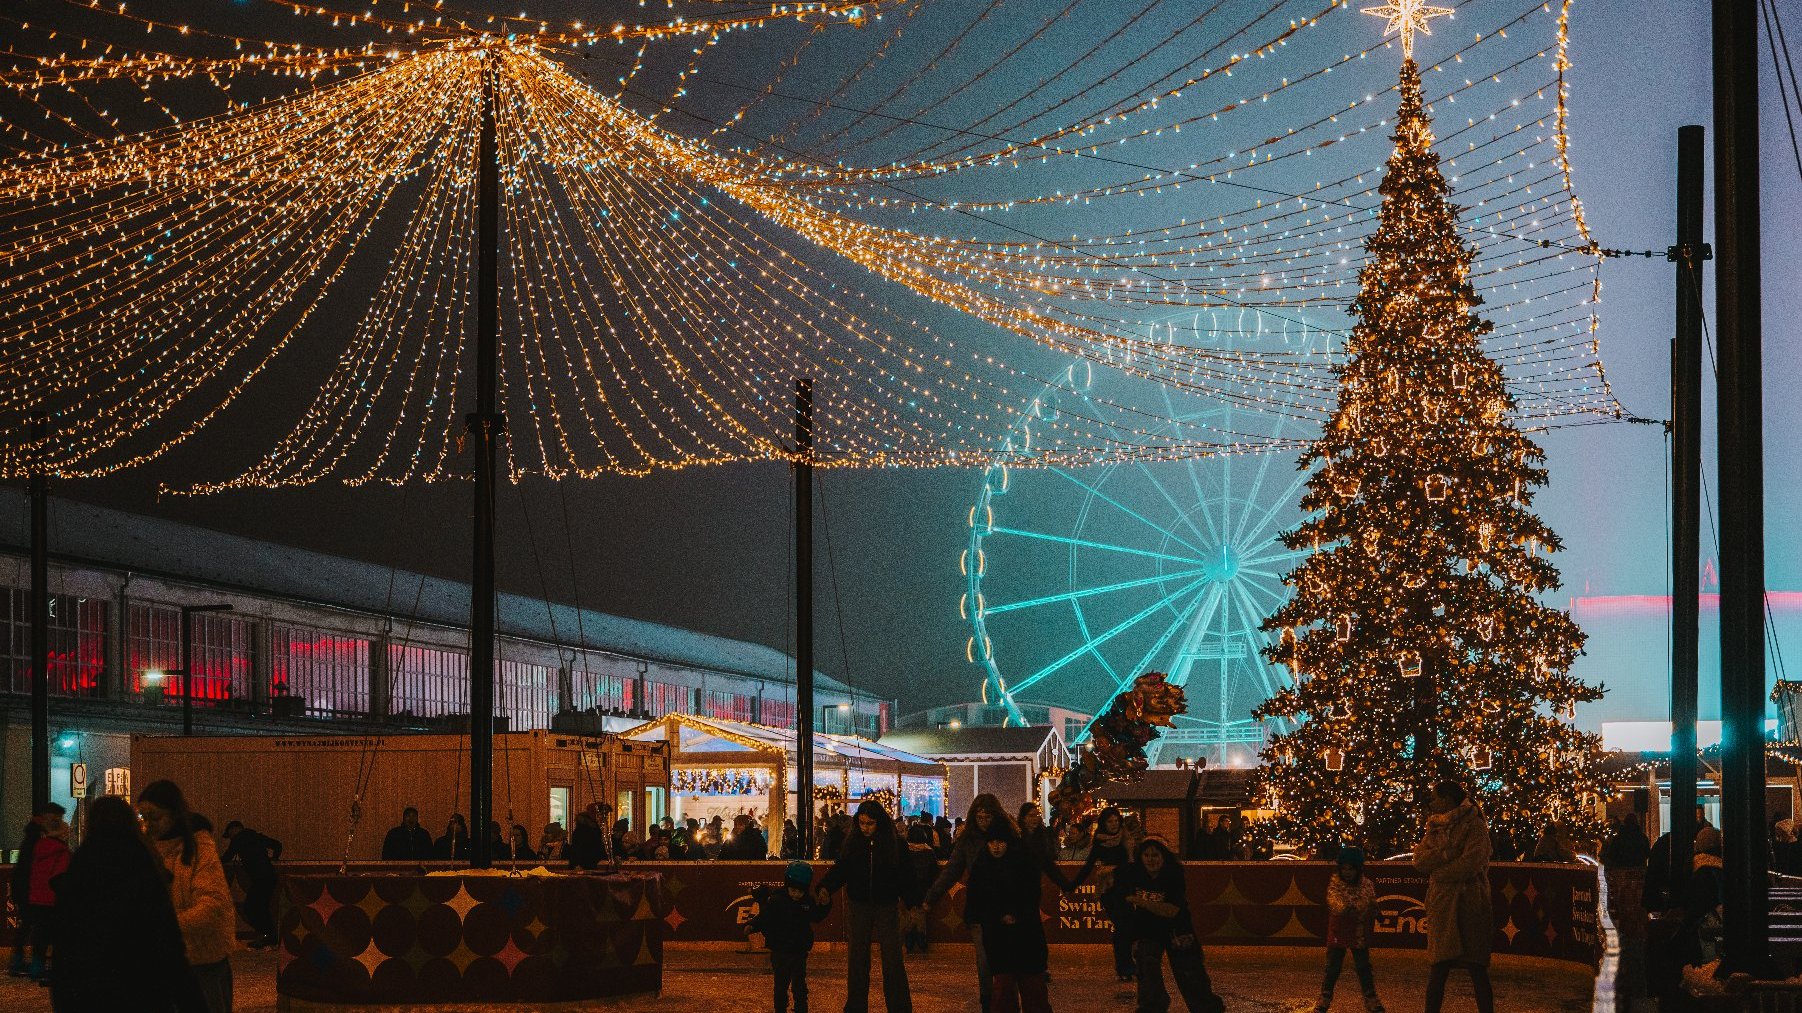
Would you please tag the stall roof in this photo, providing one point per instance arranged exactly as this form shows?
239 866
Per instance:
972 741
696 734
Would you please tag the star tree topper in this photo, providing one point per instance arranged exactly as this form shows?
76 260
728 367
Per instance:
1407 17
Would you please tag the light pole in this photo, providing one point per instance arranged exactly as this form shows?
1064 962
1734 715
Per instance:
187 660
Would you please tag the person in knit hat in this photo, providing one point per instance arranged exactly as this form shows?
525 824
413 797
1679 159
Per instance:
785 918
1351 901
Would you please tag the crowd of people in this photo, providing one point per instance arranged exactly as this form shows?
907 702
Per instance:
140 916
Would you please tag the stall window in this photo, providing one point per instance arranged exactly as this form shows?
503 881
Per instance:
624 810
560 806
655 806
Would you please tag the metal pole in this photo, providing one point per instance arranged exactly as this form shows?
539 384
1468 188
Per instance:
485 424
1740 456
1686 501
804 611
40 627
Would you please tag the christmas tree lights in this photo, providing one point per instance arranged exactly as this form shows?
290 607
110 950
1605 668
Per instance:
1418 647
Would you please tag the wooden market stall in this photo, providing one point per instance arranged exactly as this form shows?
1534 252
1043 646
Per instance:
725 768
299 789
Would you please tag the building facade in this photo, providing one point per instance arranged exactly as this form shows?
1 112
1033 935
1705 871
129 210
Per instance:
315 643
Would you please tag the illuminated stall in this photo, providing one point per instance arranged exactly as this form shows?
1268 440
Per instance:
727 768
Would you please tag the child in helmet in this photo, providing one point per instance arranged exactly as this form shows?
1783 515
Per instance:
1351 909
786 918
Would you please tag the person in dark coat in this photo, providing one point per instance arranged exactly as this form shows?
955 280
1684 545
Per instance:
587 842
984 816
408 842
791 841
925 861
454 845
1003 898
1658 875
1157 902
875 876
1628 848
785 918
1111 848
117 943
747 844
256 855
1037 838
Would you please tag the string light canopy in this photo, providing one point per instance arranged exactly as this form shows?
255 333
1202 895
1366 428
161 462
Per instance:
680 245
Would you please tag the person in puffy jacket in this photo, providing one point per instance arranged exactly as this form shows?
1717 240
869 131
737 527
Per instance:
875 874
1156 897
1351 911
1004 900
49 859
785 918
203 903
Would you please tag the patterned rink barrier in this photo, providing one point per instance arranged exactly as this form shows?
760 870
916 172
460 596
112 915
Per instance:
403 939
1540 910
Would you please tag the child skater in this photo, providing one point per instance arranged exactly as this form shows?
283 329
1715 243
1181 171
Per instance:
786 918
1351 908
1004 900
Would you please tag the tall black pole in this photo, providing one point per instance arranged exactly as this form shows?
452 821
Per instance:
1686 501
484 428
40 626
804 611
1740 455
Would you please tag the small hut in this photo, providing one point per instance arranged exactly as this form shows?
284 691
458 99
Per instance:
725 768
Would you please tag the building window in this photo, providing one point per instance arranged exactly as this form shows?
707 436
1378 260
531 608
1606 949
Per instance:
330 671
727 706
591 690
668 699
777 713
219 653
77 643
427 682
524 694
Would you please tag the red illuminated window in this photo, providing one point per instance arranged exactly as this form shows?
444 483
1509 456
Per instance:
77 643
330 671
220 655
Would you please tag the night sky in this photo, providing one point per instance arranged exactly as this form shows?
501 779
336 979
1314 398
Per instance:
708 548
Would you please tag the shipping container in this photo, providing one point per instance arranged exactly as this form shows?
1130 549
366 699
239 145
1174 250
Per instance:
300 789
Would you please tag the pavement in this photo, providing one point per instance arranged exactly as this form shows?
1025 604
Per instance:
1250 979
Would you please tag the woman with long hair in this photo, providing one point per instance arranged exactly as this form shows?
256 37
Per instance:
1111 848
118 943
875 875
203 903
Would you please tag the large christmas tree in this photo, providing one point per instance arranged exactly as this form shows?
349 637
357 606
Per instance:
1418 644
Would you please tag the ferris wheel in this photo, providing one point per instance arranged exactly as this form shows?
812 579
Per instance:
1077 580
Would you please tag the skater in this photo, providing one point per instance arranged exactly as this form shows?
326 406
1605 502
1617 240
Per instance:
875 875
1351 911
985 817
1155 894
1111 848
1004 901
1454 853
786 917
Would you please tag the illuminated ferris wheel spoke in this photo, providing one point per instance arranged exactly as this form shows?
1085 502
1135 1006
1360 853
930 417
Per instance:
1278 557
1201 503
1090 544
1128 511
1278 504
1180 511
1089 592
1144 614
1241 536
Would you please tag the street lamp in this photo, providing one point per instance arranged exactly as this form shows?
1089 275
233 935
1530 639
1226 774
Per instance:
187 661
